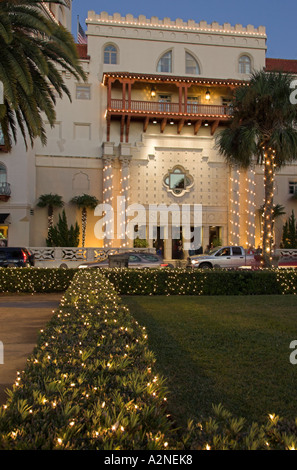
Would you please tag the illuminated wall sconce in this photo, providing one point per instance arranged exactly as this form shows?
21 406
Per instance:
206 123
153 92
155 121
189 123
171 122
207 95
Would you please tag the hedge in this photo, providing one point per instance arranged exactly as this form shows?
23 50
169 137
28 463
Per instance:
201 282
158 281
90 384
33 280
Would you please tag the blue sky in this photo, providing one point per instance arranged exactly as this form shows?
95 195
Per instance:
279 16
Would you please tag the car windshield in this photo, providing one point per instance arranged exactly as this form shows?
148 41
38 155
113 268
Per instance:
149 257
213 250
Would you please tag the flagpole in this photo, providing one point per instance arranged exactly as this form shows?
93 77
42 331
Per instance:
77 27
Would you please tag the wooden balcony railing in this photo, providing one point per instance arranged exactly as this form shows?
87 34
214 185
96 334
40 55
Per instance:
169 108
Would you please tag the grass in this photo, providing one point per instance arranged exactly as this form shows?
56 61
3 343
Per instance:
224 349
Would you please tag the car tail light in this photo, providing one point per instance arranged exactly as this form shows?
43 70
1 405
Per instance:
25 258
164 265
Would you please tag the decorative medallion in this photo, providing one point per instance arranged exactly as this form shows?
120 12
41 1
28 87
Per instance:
178 181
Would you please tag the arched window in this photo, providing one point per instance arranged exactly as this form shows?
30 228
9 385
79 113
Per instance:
110 54
192 66
245 65
3 173
165 63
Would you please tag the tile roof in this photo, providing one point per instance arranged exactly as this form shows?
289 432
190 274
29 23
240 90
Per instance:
281 65
82 50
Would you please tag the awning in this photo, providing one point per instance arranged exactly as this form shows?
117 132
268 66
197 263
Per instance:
3 217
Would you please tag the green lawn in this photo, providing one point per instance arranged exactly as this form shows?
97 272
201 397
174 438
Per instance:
223 349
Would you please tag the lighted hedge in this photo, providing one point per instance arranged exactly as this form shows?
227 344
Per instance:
202 282
158 281
41 280
90 382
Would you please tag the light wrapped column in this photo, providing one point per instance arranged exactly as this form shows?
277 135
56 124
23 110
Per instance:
250 211
108 195
125 199
235 207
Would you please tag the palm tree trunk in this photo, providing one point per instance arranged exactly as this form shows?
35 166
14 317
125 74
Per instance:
83 225
50 217
268 206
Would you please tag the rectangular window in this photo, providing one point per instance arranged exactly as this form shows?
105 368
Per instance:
292 187
83 92
227 103
163 99
192 106
1 137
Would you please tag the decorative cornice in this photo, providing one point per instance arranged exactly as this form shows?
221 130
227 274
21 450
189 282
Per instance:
180 25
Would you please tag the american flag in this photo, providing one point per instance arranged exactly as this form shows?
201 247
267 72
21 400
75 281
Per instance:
81 36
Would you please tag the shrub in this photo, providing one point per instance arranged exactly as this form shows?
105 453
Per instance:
32 280
90 382
90 385
201 282
157 281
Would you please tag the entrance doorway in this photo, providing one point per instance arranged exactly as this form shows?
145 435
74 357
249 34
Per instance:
158 243
3 235
177 245
215 236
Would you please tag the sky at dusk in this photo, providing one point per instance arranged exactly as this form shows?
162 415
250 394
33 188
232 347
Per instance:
278 16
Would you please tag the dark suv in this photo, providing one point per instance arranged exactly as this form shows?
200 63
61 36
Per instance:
16 257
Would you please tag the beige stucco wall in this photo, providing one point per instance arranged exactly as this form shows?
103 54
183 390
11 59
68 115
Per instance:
71 162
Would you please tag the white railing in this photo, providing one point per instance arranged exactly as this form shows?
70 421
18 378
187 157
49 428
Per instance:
286 253
71 257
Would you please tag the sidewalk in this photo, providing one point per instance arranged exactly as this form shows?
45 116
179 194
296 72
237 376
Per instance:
22 316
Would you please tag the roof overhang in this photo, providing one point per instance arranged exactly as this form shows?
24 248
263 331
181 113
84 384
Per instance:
157 78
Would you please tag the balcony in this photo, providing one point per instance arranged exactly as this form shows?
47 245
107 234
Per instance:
181 108
5 191
172 109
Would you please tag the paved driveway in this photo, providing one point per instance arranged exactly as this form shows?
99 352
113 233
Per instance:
21 319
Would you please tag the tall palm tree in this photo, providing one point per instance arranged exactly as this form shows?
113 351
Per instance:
262 131
33 49
278 210
50 201
84 202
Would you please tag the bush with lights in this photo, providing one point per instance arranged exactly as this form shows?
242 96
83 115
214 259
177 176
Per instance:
165 281
202 282
90 382
35 280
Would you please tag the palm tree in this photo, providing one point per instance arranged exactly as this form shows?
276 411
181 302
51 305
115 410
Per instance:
84 202
50 201
34 49
262 131
278 210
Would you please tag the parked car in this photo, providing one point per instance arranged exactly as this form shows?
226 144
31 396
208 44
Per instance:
225 257
130 260
16 257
